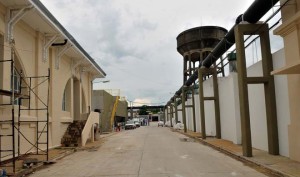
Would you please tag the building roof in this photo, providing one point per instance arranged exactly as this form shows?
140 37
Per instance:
40 19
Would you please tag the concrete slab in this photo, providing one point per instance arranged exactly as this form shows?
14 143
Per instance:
278 165
148 152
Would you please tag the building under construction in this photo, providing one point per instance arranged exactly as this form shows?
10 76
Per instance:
112 108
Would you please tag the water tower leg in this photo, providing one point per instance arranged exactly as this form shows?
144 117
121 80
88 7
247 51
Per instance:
183 108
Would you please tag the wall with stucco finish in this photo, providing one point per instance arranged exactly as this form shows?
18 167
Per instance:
75 82
289 31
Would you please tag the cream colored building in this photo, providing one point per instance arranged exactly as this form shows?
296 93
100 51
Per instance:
34 42
290 32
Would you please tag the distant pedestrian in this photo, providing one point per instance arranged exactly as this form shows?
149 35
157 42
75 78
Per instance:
118 126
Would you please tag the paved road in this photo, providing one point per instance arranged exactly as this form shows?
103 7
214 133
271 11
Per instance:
148 152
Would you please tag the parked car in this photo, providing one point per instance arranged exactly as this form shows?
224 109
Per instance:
160 123
130 125
137 123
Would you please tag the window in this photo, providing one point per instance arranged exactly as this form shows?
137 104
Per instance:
15 84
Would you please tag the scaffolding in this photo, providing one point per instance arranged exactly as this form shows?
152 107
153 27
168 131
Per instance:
12 134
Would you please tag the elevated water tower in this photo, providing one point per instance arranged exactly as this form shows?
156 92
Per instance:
195 44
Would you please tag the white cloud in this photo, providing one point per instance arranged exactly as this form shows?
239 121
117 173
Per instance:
134 41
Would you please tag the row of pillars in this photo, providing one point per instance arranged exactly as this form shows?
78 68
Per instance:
267 80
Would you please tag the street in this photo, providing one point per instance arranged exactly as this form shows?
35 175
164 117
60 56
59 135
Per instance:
148 151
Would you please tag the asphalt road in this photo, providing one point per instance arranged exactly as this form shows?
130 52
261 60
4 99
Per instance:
148 152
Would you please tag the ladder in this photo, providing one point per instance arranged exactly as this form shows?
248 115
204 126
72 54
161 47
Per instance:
114 110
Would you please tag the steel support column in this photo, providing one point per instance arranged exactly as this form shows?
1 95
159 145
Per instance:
269 88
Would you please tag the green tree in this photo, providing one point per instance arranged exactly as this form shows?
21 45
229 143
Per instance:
144 110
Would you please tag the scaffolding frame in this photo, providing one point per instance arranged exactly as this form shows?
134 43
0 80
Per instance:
9 160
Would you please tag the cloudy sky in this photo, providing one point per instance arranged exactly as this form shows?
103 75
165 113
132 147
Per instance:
134 41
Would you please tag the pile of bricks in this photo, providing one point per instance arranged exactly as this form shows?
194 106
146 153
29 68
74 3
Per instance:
72 136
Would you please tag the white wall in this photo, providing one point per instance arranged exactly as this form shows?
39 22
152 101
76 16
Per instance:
257 107
282 103
230 110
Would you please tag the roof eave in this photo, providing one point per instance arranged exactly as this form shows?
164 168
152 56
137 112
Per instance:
46 13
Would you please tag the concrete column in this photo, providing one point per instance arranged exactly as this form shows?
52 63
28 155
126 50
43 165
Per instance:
193 108
167 114
269 88
184 69
201 99
176 110
171 115
267 80
217 104
243 93
183 107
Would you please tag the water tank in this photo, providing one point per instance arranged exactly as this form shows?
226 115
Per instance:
203 38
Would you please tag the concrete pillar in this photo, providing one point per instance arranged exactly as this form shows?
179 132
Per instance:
201 99
184 69
193 108
171 114
267 80
217 105
176 110
167 114
183 107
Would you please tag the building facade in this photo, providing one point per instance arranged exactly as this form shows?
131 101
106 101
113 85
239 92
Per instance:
45 77
112 109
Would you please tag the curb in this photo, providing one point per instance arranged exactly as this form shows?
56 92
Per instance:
260 167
